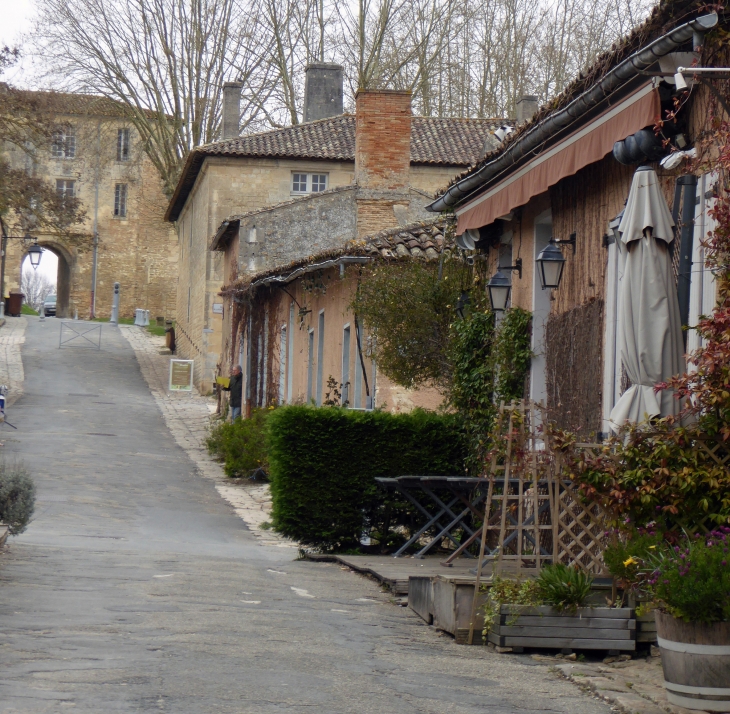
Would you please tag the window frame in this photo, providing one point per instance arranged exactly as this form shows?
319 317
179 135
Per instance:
63 143
124 142
121 201
65 188
308 182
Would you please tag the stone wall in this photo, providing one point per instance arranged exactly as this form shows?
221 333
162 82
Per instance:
138 250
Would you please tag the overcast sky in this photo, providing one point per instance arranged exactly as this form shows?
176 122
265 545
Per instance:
16 15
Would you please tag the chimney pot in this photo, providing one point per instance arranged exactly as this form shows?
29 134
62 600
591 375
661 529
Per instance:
526 107
231 110
322 91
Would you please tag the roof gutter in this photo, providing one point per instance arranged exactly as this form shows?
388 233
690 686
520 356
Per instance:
333 262
535 138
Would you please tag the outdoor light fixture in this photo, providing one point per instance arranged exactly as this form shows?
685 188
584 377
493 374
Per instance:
550 264
34 253
500 286
679 82
463 301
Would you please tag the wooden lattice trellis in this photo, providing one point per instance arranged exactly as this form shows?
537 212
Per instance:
533 514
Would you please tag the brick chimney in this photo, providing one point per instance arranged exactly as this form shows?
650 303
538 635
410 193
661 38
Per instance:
322 91
382 157
231 110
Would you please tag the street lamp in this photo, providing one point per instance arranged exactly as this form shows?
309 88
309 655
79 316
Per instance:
34 253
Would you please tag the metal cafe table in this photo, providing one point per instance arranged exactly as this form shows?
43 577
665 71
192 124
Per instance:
455 499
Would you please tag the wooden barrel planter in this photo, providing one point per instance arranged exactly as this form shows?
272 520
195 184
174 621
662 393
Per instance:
696 662
588 628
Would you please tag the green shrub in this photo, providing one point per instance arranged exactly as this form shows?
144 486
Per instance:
324 461
564 587
17 497
241 444
691 581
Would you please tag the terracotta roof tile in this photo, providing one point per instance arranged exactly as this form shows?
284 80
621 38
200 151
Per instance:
424 240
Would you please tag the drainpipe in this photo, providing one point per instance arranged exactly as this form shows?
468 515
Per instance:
95 255
684 277
533 140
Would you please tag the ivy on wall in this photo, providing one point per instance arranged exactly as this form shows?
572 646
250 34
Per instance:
434 327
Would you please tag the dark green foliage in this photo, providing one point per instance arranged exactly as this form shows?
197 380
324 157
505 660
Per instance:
17 497
512 354
564 587
630 554
691 581
323 462
241 444
411 309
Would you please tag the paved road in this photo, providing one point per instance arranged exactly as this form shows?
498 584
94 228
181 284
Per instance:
136 588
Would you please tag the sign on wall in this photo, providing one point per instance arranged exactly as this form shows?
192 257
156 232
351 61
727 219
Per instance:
181 375
217 308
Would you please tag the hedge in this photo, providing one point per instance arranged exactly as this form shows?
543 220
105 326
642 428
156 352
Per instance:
323 462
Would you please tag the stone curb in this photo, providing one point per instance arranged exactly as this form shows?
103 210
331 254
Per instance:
620 688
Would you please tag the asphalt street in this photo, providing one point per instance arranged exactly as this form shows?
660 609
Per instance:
136 588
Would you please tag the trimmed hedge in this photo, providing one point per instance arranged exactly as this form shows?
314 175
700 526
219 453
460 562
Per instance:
323 462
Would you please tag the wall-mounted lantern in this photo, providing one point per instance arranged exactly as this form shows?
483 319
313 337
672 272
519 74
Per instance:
551 261
500 286
34 253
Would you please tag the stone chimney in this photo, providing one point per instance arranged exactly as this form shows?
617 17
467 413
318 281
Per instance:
322 91
382 158
231 109
526 108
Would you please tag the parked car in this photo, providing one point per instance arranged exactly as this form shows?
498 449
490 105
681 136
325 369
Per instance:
49 306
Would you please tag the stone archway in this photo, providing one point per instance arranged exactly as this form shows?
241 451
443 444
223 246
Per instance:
63 276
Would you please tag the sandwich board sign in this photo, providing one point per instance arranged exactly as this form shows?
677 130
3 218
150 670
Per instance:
181 375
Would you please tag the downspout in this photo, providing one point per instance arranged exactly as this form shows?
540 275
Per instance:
95 255
684 273
535 138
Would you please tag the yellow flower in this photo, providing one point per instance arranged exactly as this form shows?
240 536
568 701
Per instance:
651 547
630 561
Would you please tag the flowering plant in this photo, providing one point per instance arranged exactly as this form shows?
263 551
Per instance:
691 581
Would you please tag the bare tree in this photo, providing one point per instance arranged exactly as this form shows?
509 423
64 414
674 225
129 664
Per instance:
167 59
36 287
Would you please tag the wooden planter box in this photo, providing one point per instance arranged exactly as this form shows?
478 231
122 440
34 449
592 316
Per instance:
646 629
588 628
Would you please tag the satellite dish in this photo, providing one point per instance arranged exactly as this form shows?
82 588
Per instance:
465 240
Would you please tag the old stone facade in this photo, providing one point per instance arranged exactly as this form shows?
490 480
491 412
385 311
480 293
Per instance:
246 178
96 156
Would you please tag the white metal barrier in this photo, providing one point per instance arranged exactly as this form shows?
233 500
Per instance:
141 317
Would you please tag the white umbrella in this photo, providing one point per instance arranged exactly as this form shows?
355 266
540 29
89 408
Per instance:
650 330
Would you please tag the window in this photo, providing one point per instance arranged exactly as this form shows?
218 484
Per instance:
120 200
63 145
290 360
346 366
320 357
65 188
308 183
282 365
123 145
310 367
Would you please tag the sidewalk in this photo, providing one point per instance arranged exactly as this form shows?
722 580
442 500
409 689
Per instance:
12 336
188 417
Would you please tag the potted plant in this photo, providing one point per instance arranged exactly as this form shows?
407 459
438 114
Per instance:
551 612
690 585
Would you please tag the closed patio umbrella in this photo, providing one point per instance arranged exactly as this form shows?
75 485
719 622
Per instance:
650 330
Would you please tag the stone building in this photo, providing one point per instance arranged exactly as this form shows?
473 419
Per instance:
95 155
310 167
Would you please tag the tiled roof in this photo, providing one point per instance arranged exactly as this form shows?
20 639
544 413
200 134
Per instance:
425 240
434 141
451 142
82 104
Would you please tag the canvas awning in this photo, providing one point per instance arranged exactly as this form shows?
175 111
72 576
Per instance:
650 329
585 146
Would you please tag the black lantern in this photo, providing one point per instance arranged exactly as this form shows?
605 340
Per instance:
463 302
499 287
34 253
550 264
